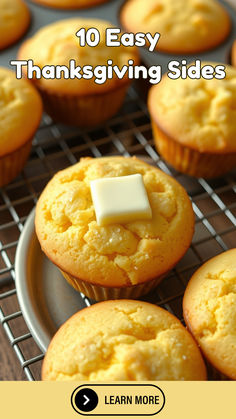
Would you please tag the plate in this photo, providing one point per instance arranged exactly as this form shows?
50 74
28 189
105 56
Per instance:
45 297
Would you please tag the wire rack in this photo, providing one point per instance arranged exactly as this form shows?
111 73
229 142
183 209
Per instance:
129 133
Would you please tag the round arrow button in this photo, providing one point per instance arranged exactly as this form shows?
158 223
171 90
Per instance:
86 400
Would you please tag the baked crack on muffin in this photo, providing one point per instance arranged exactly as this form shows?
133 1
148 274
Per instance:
123 340
14 21
116 260
185 26
193 123
209 308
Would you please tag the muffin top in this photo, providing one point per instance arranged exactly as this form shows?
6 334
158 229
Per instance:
116 254
60 45
233 54
210 310
20 111
14 20
69 4
186 26
200 113
123 340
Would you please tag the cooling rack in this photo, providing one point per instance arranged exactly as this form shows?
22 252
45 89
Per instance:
129 133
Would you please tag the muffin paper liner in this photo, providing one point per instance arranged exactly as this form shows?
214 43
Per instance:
12 163
189 161
99 293
83 111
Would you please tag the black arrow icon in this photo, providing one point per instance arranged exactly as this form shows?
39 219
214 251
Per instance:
86 400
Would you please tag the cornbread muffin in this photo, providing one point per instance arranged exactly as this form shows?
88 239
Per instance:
210 311
123 340
14 21
77 101
69 4
186 26
233 54
20 115
117 260
194 123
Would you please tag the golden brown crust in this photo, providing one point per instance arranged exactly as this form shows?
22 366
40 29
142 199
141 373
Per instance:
12 163
209 308
14 21
81 102
190 161
60 50
114 255
123 340
233 54
83 110
71 4
185 27
199 114
20 112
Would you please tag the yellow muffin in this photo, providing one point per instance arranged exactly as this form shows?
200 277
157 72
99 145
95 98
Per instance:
14 21
69 4
210 311
116 260
123 340
20 115
78 101
186 26
194 123
233 54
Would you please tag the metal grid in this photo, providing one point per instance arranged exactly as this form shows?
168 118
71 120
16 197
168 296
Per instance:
56 147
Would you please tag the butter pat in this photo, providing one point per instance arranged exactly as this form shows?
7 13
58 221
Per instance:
120 199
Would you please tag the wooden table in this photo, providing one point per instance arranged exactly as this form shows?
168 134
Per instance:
10 368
